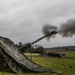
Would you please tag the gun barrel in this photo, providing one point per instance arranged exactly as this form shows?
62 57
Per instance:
28 45
53 32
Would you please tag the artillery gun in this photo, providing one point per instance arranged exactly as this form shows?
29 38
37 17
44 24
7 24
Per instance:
28 45
16 60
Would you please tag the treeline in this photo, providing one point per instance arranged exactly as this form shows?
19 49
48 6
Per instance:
33 49
40 49
61 48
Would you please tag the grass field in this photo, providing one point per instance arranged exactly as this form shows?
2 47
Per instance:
66 65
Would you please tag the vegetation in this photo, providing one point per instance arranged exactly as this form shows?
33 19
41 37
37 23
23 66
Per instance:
65 65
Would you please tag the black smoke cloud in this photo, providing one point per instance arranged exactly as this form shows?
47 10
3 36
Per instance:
48 29
66 29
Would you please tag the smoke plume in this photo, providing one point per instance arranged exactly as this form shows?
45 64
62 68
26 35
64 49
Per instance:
66 29
47 29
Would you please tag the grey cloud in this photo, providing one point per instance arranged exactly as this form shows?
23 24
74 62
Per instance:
22 20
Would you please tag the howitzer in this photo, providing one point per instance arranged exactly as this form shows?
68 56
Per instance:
28 45
16 60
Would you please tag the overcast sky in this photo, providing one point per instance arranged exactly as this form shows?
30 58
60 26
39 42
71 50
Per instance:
23 20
